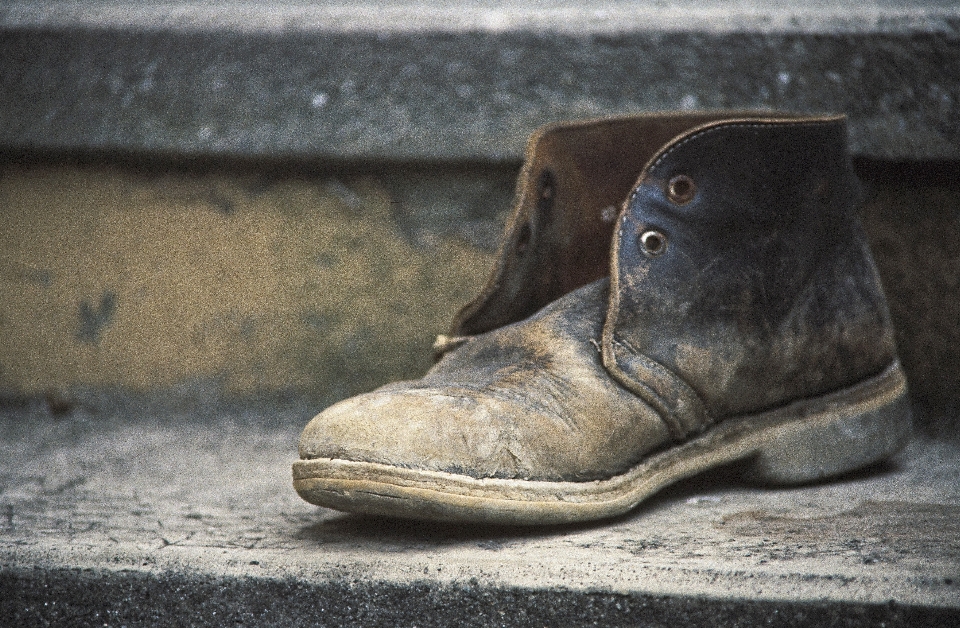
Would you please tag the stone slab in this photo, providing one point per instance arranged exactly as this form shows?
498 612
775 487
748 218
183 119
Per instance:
392 16
434 81
194 508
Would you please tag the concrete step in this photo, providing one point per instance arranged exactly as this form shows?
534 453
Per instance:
147 516
174 507
434 80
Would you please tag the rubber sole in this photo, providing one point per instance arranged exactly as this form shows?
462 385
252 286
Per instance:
805 441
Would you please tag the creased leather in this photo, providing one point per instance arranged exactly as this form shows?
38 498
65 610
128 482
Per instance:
767 292
529 401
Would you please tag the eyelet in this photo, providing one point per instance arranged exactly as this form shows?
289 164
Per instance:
546 194
524 237
653 243
681 189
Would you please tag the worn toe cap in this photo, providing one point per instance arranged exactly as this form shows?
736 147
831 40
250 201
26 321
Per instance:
451 430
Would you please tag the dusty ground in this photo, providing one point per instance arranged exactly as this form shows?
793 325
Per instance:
160 501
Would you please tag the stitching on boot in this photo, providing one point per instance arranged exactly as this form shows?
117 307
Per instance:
695 406
740 125
681 400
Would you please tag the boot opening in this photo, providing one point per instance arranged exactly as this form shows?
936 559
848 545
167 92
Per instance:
570 192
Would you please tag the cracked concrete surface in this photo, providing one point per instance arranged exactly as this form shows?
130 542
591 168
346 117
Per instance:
434 80
136 494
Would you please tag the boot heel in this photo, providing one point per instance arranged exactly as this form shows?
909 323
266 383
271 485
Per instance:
841 437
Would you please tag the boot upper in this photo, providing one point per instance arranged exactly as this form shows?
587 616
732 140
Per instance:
734 278
763 290
570 191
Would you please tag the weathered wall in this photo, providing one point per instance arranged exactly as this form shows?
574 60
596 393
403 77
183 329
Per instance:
311 286
232 281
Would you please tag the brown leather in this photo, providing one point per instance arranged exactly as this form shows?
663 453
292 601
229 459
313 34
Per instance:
554 245
763 295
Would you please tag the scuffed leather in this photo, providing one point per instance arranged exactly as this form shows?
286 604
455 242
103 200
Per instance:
529 401
767 292
553 246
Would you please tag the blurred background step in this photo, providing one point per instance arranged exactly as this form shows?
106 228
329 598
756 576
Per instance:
444 81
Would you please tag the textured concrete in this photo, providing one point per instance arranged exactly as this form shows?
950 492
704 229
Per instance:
435 81
602 16
134 514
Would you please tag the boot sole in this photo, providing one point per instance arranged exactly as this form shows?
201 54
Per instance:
805 441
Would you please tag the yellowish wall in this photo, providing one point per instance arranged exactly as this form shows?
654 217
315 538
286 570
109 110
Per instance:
114 277
144 281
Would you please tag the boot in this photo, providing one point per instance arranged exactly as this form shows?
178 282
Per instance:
674 293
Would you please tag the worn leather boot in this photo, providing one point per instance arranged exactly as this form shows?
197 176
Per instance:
727 310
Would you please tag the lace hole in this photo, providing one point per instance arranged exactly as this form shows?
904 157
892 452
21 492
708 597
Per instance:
523 238
546 195
653 243
681 189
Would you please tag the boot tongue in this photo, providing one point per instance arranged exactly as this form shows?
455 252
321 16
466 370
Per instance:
569 194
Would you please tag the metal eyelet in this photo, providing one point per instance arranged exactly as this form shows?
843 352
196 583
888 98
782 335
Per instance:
546 194
653 243
524 237
542 213
681 189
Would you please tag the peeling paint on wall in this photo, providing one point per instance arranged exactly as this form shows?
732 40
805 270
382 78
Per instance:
94 318
110 278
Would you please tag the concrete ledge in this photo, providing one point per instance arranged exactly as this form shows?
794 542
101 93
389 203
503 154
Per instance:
148 515
563 16
82 597
429 81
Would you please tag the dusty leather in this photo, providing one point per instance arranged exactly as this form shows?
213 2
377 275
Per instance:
767 291
765 294
530 401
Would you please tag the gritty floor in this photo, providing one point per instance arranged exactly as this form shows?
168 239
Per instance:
114 507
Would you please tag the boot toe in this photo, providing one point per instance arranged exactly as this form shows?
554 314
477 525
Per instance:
455 431
528 402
